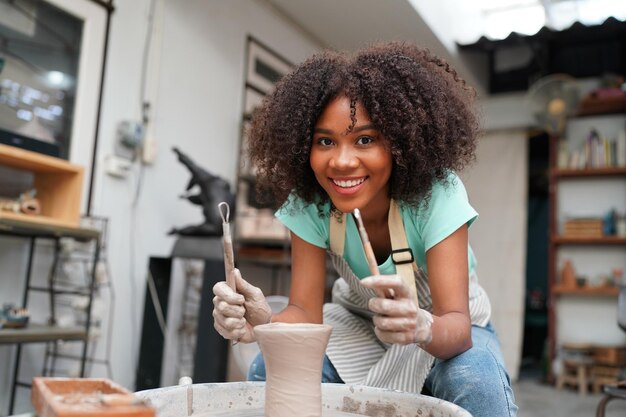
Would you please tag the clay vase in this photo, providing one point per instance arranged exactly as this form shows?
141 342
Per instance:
568 275
293 353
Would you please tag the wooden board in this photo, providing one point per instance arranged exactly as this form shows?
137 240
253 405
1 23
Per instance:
57 182
97 397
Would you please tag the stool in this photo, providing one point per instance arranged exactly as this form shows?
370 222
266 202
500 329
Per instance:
576 360
611 392
604 375
575 372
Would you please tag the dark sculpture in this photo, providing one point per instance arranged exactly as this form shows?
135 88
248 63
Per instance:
213 190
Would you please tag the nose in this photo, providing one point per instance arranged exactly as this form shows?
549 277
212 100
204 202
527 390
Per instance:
344 157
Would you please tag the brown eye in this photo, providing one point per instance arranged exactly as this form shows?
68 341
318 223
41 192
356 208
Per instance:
324 142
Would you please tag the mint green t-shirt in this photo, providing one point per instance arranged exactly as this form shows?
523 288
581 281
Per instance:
448 209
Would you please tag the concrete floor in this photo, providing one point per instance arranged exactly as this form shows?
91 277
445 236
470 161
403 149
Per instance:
536 399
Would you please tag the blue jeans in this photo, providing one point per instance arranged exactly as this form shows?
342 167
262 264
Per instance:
257 371
475 380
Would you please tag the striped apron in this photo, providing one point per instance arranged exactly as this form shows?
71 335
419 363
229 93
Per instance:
356 353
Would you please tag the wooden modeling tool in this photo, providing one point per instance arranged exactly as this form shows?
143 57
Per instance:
229 256
369 252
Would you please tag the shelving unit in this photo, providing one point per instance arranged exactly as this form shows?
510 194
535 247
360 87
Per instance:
50 331
590 291
36 333
606 240
57 182
578 191
58 188
591 172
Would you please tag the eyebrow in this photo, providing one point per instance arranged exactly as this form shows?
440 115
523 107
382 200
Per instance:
356 129
364 127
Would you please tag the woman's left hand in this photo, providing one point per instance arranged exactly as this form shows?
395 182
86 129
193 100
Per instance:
398 320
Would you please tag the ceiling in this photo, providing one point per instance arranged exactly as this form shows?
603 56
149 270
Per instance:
350 24
581 51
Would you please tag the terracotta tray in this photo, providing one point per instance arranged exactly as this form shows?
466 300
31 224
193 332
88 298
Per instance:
61 397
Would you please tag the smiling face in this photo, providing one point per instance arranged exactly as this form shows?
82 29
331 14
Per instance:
354 166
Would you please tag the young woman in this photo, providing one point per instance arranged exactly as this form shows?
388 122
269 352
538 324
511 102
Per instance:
383 130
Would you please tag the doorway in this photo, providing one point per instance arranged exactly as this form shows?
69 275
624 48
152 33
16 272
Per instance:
534 348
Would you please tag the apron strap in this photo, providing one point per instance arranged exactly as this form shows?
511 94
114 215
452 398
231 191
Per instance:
401 253
337 233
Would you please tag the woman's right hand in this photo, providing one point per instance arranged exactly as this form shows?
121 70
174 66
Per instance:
236 313
398 320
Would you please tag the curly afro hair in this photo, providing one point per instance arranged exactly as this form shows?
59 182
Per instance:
415 99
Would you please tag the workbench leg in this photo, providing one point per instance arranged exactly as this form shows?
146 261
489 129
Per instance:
92 288
16 370
52 320
16 367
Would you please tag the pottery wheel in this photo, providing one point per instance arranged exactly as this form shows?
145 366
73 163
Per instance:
260 412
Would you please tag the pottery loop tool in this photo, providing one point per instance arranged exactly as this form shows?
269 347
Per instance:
229 257
369 252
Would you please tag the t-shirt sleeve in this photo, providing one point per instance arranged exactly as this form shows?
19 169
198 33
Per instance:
448 209
304 221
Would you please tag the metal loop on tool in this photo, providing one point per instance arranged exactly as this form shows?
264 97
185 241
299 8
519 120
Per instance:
225 217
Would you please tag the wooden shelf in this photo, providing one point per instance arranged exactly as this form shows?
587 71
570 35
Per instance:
34 333
612 112
25 226
589 172
591 291
603 240
57 182
602 106
36 219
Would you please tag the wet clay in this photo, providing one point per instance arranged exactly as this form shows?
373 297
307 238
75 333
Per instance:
246 399
259 413
293 354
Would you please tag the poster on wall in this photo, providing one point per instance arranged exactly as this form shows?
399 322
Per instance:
255 222
264 66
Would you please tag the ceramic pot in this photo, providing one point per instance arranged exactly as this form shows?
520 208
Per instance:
293 353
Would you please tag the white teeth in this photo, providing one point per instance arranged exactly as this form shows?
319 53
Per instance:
350 183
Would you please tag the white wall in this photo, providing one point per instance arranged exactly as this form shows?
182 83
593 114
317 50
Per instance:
196 89
505 111
197 108
196 79
497 189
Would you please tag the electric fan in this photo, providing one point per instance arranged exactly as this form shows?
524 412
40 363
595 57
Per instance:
551 99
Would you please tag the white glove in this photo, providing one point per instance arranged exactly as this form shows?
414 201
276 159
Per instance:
236 313
399 319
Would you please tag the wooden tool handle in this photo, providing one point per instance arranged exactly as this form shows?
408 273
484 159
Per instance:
369 253
229 257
